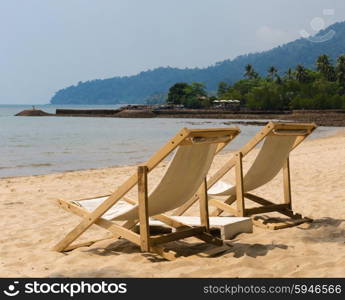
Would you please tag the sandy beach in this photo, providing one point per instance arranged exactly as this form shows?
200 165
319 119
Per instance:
31 223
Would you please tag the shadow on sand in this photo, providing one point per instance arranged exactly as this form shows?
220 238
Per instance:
323 222
324 230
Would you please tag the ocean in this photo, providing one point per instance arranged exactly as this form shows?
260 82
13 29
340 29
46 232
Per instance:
42 145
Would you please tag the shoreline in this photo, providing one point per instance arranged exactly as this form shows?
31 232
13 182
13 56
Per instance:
330 118
338 133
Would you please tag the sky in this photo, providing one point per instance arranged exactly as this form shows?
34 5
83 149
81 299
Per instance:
46 45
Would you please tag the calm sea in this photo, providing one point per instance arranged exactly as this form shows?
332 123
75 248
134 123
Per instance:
41 145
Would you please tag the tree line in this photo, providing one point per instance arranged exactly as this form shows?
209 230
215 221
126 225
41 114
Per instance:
298 88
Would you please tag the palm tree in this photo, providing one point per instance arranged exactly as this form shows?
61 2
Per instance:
322 63
289 73
250 72
222 88
340 69
301 74
272 72
279 80
324 66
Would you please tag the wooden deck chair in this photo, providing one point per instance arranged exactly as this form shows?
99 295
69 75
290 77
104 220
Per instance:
186 173
279 139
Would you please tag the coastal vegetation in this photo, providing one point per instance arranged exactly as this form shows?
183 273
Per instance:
192 95
299 88
152 86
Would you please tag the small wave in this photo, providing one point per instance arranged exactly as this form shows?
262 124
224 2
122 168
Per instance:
199 123
42 165
27 166
39 165
128 152
22 146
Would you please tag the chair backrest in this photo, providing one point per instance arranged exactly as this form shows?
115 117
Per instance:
185 172
183 177
270 161
278 143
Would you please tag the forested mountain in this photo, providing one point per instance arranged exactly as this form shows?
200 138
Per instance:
140 87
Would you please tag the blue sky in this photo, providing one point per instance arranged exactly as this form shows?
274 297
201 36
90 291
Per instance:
49 45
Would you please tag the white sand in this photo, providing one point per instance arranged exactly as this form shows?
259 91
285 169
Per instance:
31 223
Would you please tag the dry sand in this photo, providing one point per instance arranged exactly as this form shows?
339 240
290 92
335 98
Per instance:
31 223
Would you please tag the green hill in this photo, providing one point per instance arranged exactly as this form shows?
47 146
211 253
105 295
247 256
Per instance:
137 88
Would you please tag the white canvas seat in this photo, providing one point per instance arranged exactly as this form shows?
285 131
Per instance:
182 178
268 163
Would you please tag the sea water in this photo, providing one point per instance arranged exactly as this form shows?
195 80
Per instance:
42 145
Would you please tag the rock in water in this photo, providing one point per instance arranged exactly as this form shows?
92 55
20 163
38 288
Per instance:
32 113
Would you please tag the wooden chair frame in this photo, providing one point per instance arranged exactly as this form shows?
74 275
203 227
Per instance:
147 243
300 130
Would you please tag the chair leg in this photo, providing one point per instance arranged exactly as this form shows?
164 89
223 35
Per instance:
143 209
239 185
294 218
287 182
203 203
